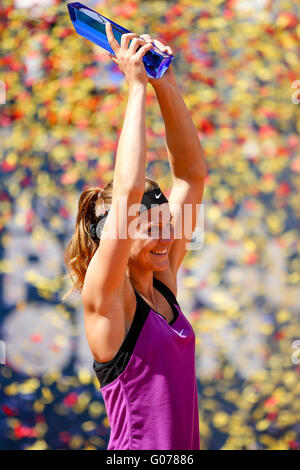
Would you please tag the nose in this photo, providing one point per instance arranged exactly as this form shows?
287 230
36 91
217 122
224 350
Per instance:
167 235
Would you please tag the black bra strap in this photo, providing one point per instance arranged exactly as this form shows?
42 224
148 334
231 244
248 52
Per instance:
165 291
110 370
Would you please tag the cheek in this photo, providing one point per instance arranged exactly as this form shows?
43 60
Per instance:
144 244
140 248
147 247
135 248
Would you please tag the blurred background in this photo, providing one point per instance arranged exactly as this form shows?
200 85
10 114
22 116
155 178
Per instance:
62 104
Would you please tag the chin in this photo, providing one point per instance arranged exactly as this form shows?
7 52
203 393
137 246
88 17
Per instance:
161 266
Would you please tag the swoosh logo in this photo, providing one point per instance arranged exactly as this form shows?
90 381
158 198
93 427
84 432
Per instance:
158 196
180 333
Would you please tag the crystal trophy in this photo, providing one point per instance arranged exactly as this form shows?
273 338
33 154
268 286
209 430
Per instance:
91 25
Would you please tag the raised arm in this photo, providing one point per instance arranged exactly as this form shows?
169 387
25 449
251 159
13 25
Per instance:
106 271
187 163
186 158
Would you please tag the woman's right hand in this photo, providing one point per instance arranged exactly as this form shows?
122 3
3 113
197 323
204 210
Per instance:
129 59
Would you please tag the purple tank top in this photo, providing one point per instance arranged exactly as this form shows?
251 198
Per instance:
149 388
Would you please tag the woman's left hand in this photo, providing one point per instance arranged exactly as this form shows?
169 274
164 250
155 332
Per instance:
168 76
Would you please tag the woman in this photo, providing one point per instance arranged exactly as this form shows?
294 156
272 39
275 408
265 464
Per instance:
142 344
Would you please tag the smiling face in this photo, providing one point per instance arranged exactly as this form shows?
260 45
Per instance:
154 233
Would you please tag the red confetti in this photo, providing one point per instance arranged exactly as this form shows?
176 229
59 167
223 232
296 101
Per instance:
70 399
36 338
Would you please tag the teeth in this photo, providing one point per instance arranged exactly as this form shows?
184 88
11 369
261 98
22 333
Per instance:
159 252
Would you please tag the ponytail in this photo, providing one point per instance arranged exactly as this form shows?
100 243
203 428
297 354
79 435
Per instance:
93 202
82 246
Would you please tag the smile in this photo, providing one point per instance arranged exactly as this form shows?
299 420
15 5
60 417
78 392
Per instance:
159 252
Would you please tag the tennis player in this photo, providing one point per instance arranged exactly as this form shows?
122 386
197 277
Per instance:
142 344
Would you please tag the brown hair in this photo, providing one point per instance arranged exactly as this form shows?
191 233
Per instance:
81 248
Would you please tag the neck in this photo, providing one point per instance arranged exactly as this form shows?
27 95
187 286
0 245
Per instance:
143 284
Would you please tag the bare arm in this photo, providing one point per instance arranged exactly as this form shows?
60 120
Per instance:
182 141
186 157
106 271
187 163
131 154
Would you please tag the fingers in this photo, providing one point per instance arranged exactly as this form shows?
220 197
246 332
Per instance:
126 38
135 43
142 51
113 58
110 37
146 37
163 47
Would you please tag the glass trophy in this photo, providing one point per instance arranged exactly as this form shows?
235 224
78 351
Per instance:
91 25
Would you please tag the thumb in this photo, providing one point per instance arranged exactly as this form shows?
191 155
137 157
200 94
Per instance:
113 58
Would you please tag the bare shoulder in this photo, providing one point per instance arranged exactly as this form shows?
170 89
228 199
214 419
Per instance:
106 332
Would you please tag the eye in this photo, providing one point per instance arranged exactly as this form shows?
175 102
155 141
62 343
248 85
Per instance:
152 228
170 222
